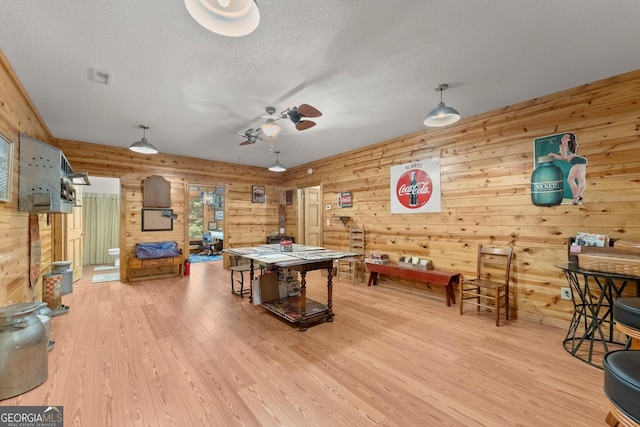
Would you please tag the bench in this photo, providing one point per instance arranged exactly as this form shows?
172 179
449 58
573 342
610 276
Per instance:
447 279
159 259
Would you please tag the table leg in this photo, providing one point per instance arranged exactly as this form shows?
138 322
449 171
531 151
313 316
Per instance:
329 294
373 278
303 301
251 281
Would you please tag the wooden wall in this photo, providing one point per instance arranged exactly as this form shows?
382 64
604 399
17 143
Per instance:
18 115
245 224
486 166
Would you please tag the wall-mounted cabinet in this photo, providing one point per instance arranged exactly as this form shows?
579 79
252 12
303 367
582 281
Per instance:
46 179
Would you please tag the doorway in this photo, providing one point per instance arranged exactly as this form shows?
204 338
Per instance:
101 223
206 204
310 216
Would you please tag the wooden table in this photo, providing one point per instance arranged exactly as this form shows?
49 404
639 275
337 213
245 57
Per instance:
447 279
302 259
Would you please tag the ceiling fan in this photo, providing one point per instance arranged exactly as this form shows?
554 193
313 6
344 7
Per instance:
297 114
251 135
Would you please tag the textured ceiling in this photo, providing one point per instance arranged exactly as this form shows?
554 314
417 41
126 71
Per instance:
370 66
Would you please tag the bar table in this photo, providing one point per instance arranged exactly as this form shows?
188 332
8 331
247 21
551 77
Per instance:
591 331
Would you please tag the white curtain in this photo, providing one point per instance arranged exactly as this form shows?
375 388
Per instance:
101 226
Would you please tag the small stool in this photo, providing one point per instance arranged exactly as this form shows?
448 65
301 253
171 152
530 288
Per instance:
622 387
622 367
242 268
626 312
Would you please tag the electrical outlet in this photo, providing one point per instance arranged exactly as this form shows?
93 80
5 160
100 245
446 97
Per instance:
565 293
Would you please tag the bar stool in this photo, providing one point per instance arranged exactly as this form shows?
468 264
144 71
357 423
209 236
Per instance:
622 368
237 266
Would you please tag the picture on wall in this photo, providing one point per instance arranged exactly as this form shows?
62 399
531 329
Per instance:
157 219
559 173
6 158
345 200
218 215
415 187
257 194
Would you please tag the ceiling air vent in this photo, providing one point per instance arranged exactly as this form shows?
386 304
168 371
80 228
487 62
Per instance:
100 76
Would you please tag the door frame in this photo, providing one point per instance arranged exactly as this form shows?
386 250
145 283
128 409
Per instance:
301 215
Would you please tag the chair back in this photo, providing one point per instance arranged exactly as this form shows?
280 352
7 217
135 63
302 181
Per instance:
356 240
494 263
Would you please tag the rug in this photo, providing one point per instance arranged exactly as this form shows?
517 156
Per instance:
107 277
204 258
105 267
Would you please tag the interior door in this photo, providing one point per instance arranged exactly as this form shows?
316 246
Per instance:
312 216
74 242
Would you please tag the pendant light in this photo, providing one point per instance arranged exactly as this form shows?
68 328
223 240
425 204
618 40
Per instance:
277 166
143 146
441 115
231 18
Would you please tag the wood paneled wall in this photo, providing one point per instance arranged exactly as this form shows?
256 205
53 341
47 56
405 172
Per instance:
245 224
486 163
18 115
486 166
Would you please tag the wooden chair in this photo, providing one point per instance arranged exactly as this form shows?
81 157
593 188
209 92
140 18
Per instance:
621 375
490 287
353 266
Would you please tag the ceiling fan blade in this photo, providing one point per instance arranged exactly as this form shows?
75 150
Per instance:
305 124
307 110
248 142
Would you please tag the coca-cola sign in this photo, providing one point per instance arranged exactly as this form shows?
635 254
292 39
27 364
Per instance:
415 187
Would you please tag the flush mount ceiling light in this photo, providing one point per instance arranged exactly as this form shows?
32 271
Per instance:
441 115
231 18
277 166
143 146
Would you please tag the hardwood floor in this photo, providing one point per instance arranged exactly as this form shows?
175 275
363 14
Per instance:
186 352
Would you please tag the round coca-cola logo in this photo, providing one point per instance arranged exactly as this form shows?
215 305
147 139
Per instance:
414 188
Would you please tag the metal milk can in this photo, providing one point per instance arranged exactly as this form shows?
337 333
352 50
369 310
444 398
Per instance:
24 362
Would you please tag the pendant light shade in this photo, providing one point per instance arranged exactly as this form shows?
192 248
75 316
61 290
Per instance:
441 115
143 146
231 18
277 166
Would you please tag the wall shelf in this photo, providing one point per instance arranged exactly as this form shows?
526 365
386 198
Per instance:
342 218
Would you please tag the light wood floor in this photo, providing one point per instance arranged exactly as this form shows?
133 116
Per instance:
186 352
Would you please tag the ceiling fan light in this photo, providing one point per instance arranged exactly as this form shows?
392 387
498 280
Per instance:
270 129
231 18
143 146
441 115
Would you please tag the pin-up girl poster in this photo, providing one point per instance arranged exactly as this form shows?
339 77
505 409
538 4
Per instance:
559 175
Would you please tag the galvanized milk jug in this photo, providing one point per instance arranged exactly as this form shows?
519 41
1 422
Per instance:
24 362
